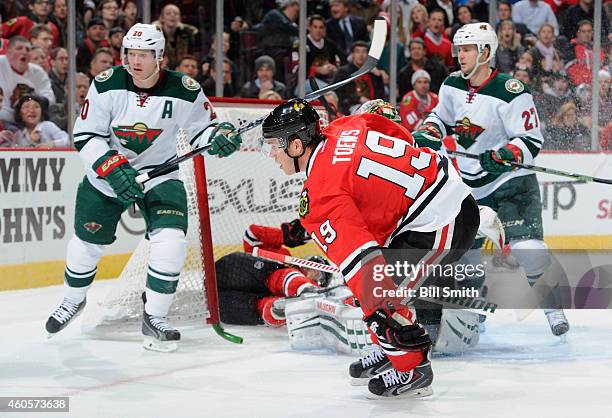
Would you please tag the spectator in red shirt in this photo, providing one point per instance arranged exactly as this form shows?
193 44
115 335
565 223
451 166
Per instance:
39 13
417 24
96 38
116 39
418 103
436 43
3 42
579 70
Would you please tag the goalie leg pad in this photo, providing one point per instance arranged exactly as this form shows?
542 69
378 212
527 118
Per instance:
81 266
168 251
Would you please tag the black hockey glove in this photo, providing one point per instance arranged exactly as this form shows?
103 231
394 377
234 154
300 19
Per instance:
403 337
294 234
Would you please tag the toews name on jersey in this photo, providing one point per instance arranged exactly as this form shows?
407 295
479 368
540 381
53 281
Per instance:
367 183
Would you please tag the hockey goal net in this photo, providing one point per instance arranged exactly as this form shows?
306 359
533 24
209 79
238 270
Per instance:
224 196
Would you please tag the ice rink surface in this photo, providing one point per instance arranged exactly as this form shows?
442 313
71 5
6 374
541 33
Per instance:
518 370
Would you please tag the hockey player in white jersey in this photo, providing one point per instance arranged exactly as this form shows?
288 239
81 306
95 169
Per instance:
493 115
128 125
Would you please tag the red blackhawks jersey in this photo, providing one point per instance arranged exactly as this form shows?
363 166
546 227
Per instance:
367 183
413 110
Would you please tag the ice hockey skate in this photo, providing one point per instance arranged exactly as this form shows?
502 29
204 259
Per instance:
369 366
64 313
394 384
159 334
559 325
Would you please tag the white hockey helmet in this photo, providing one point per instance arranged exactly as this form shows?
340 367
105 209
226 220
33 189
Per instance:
143 36
480 34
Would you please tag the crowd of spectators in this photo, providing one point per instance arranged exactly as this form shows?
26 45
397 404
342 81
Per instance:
547 44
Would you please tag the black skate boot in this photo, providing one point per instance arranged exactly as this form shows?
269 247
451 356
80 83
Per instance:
557 321
64 313
369 366
159 334
393 384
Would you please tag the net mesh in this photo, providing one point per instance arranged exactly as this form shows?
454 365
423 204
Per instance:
243 189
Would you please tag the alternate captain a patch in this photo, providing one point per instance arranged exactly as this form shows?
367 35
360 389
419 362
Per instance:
137 137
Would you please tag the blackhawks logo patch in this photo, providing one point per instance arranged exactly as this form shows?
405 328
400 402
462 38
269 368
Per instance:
92 227
137 137
514 86
304 207
104 75
189 83
467 132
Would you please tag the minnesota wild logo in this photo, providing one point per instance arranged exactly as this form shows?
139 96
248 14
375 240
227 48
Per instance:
92 227
304 208
137 137
467 132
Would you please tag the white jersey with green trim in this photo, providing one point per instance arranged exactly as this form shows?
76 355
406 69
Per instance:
501 111
140 124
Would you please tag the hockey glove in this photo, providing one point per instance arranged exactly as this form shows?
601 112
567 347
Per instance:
394 329
494 161
121 176
225 140
428 136
294 234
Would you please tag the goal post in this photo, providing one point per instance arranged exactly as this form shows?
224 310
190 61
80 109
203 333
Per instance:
224 197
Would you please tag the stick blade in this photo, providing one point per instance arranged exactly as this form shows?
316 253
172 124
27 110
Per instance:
379 37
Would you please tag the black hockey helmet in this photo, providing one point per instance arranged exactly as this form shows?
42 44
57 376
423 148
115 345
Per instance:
324 278
294 118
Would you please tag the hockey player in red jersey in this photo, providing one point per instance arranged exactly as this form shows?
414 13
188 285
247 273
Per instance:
289 235
368 187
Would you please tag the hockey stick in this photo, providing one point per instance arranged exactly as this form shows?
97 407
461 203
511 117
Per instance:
287 259
378 43
581 177
332 112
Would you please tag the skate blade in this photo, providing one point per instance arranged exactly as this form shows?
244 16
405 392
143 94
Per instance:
152 344
411 394
359 381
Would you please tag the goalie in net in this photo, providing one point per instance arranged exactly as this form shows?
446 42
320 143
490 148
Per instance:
130 122
252 290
